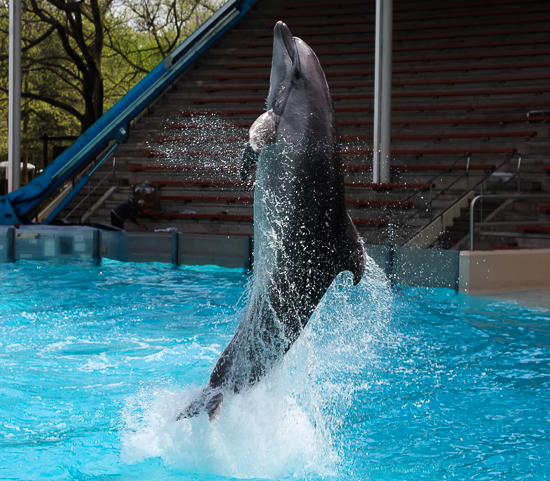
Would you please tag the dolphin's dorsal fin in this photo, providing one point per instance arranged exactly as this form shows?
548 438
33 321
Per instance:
352 252
214 406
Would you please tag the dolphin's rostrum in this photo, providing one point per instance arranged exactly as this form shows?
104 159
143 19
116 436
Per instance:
303 235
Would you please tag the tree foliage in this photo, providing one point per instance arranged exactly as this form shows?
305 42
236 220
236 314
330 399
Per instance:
80 57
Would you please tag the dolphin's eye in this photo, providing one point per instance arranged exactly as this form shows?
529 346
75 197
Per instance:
297 74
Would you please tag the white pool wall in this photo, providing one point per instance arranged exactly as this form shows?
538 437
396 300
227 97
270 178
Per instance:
475 272
501 271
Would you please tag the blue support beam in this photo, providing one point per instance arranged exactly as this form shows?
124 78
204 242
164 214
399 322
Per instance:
16 207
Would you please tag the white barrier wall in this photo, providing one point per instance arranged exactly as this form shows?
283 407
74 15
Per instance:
468 272
508 270
415 267
43 243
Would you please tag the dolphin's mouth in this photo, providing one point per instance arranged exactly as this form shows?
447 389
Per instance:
283 63
282 32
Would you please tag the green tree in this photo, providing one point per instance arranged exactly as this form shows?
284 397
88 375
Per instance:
80 57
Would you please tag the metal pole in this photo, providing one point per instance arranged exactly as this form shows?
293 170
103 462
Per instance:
481 204
10 238
14 101
385 147
472 222
382 91
431 202
176 253
377 94
468 173
96 247
519 174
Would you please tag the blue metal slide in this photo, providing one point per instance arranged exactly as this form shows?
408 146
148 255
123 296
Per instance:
16 207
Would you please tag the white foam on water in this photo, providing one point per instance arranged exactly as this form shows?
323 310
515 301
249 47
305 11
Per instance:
286 426
260 434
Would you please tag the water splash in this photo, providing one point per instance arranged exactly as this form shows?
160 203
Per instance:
202 146
288 425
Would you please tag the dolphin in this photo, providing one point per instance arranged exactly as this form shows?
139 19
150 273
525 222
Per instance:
303 235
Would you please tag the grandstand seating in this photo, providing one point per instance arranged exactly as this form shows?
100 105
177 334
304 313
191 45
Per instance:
465 77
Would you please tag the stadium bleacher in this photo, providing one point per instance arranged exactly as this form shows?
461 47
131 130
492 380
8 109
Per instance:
465 77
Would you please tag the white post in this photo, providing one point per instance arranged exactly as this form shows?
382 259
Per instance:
382 92
14 102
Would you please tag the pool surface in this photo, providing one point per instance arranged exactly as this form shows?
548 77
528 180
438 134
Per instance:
384 384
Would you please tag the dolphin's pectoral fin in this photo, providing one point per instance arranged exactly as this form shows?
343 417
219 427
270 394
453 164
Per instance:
207 401
249 159
352 252
262 132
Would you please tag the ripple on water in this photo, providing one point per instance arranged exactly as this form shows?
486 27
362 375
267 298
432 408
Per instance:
383 384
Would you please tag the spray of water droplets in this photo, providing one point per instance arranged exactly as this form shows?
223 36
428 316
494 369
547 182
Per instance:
200 147
289 424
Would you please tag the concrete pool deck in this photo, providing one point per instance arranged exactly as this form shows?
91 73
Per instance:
530 297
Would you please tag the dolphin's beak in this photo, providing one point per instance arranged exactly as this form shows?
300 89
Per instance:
283 37
281 66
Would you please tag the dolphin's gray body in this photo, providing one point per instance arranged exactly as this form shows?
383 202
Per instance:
303 235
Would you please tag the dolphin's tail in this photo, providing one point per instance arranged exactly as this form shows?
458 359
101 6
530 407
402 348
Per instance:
208 401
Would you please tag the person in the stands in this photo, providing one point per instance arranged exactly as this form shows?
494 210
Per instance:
128 211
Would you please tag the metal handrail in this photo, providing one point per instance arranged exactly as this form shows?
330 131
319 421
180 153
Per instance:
441 214
90 192
439 174
519 174
430 184
443 191
499 197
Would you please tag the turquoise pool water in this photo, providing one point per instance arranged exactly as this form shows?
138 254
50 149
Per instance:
384 384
